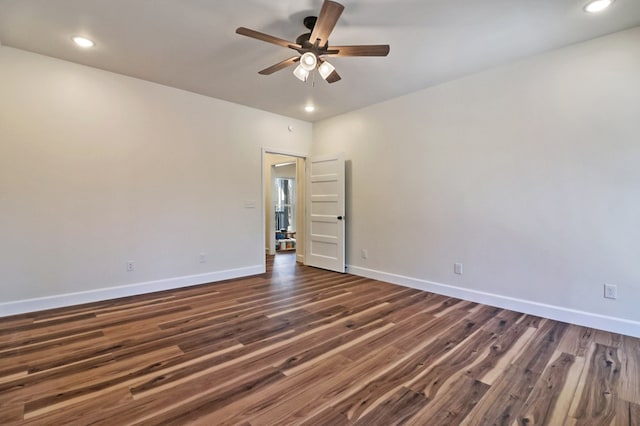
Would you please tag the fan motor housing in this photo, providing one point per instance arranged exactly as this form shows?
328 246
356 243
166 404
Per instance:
303 39
310 22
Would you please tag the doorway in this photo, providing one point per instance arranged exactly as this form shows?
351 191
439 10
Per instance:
319 209
283 198
284 208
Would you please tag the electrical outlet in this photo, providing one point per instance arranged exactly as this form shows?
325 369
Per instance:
457 268
203 257
610 291
131 266
364 254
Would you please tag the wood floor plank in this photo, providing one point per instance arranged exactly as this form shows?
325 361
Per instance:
45 339
501 403
608 339
566 395
299 345
46 325
506 397
11 413
629 354
596 399
540 349
292 403
532 321
430 330
543 400
387 384
9 323
313 400
41 343
333 346
200 402
402 331
418 304
84 411
181 374
627 414
212 315
576 340
443 372
398 408
25 387
441 381
271 404
77 386
453 406
506 350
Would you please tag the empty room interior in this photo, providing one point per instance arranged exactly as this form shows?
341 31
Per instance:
321 213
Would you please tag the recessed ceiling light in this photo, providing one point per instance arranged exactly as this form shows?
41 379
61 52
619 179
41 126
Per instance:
597 6
83 42
309 108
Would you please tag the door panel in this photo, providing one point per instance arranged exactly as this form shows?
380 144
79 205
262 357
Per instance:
325 212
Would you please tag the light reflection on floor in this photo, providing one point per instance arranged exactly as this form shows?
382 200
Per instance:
283 265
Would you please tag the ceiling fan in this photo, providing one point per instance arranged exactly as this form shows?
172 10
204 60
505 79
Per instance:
314 46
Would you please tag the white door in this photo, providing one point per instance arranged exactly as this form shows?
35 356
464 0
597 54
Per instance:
325 212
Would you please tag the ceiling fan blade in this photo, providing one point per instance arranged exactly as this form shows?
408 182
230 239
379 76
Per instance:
333 77
279 66
266 37
329 15
362 50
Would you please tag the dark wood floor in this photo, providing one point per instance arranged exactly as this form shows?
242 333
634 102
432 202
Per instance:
304 346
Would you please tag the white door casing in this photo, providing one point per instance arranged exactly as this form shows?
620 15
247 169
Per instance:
325 212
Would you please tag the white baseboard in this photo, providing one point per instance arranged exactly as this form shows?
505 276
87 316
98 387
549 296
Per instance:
70 299
300 258
558 313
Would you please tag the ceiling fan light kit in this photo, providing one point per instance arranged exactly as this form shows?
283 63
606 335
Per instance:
325 69
301 73
313 46
308 61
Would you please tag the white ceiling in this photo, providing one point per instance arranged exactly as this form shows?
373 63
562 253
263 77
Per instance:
192 45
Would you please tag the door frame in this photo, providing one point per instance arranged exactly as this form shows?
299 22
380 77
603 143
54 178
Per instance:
277 151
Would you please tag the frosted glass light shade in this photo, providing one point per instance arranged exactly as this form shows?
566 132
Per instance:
325 69
301 73
308 61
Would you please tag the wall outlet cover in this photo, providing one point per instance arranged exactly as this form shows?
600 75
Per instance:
610 291
457 268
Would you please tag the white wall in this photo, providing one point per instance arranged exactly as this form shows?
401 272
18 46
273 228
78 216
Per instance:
527 174
97 169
